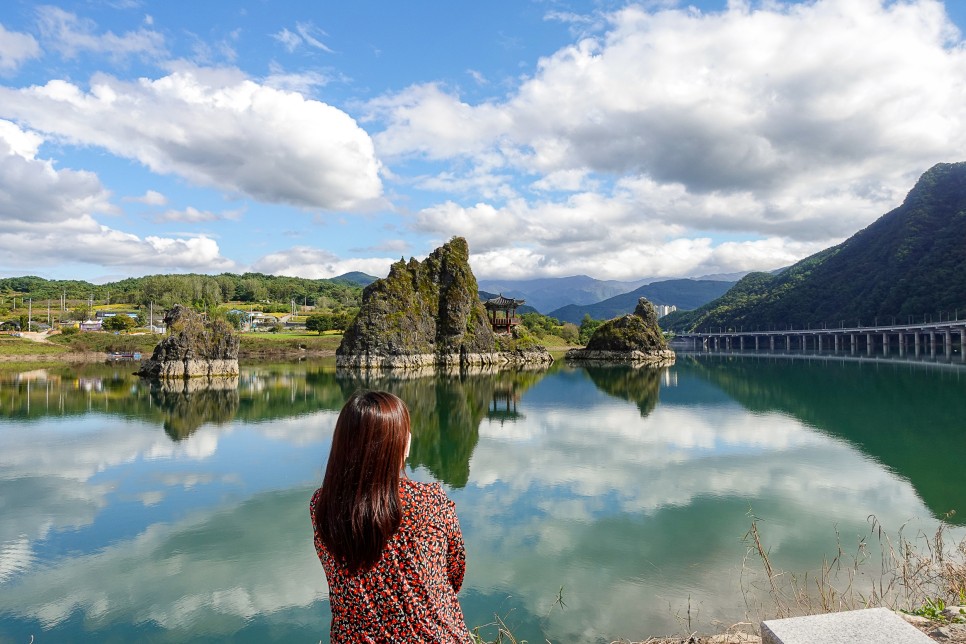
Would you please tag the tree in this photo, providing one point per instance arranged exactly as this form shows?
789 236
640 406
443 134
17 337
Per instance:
119 323
235 320
318 323
539 323
570 333
587 327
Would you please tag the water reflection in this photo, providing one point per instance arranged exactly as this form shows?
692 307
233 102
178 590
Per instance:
629 488
902 415
639 385
188 404
446 409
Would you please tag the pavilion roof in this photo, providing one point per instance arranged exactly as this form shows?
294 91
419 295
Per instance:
500 302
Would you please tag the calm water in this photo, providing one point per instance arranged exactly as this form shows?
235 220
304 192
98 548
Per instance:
131 513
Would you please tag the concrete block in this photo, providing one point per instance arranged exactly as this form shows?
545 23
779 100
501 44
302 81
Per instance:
874 625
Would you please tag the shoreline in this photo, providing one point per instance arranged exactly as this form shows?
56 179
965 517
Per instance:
73 357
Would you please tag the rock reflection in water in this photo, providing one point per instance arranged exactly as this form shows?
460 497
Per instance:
446 408
639 385
187 404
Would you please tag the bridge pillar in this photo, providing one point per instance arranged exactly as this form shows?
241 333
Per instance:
902 344
788 343
962 344
852 340
932 344
915 336
885 343
818 342
948 343
869 343
756 343
804 343
835 342
741 343
771 340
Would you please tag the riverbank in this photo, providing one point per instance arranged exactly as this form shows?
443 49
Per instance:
95 347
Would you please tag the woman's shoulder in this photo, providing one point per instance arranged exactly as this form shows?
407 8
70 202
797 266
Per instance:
423 492
314 502
417 487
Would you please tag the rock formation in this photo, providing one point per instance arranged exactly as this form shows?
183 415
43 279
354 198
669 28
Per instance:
194 348
634 338
426 313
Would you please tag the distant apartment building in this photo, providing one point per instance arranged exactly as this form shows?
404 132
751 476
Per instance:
664 309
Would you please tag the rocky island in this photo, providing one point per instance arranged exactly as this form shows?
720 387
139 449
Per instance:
429 313
195 347
634 338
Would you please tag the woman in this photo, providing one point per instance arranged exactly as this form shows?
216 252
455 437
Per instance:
391 548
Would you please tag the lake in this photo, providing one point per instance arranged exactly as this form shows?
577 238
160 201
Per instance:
596 503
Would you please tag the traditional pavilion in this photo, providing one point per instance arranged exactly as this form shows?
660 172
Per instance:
502 311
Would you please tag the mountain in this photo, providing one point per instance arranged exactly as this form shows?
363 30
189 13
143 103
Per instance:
683 293
909 263
549 293
355 277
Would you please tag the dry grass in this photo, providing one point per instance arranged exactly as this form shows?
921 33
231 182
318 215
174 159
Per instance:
894 571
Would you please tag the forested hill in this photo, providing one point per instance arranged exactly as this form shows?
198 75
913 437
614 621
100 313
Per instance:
683 293
909 262
165 290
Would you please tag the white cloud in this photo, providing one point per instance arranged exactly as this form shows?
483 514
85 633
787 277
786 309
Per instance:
304 83
616 237
69 34
290 40
794 124
215 128
314 263
192 215
47 216
151 198
312 36
305 33
32 191
15 49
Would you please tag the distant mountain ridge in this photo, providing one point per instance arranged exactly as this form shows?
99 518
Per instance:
682 293
355 277
911 262
549 293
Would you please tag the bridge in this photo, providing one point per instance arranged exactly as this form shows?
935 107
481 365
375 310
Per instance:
943 338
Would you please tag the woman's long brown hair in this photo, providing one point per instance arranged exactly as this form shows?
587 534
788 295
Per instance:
358 509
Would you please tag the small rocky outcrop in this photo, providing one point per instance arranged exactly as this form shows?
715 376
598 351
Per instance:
634 338
425 313
194 348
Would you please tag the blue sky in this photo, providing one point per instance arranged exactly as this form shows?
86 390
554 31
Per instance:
619 140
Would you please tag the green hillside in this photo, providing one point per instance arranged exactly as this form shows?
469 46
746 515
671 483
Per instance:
190 288
908 264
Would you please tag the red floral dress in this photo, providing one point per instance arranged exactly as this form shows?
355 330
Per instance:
410 594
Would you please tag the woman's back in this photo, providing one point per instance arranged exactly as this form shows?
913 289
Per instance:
410 593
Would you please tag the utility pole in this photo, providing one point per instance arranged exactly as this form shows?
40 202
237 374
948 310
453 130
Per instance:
30 308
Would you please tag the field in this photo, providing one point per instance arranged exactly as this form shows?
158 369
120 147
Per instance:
14 346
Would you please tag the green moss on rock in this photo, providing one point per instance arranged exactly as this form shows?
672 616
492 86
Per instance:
637 331
420 308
